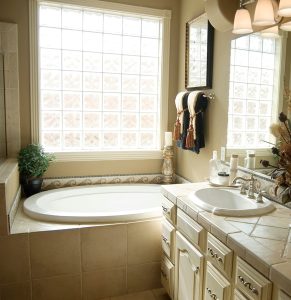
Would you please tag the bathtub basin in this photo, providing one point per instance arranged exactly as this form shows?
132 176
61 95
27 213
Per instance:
102 203
229 202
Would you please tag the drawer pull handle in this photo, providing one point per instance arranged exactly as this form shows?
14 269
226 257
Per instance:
165 240
164 275
165 209
248 285
212 295
215 255
194 268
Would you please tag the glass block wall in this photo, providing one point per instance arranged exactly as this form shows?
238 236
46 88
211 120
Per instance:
253 91
99 80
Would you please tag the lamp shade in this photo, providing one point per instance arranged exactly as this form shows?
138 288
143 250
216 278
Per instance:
272 32
242 22
286 26
264 13
284 8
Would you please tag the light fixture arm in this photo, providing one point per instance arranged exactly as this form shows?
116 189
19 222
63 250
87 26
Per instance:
243 3
277 18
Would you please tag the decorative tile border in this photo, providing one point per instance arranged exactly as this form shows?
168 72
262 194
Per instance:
60 182
14 207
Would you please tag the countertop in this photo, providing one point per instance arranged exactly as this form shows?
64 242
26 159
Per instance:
262 241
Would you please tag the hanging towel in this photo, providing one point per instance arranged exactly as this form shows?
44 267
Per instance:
191 131
186 120
200 108
180 115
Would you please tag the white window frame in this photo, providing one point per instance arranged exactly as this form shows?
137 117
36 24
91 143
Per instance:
277 104
165 16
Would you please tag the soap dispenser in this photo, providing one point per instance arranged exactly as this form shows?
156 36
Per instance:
213 167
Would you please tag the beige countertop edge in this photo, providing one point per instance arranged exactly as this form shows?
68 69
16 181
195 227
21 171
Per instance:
263 259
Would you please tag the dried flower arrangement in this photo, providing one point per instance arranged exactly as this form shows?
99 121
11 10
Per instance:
282 151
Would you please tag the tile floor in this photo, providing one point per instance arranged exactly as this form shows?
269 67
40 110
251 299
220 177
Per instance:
157 294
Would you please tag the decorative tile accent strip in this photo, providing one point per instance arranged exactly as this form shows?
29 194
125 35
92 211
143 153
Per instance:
60 182
14 208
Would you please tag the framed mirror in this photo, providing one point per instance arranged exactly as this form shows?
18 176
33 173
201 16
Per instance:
199 54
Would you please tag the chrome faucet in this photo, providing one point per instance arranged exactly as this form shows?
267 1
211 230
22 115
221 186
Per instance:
251 188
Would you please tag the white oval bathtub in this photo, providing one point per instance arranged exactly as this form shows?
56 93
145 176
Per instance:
104 203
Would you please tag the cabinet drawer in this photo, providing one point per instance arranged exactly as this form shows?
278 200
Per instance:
169 210
189 270
168 239
251 283
238 295
283 296
167 275
191 229
220 255
217 287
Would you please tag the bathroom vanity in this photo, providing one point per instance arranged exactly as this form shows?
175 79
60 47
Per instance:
206 256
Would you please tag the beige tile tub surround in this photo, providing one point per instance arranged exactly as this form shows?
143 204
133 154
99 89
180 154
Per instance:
66 287
263 242
55 253
104 283
9 187
144 242
16 291
14 259
89 261
104 247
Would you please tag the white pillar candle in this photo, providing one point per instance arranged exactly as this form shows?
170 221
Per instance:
168 138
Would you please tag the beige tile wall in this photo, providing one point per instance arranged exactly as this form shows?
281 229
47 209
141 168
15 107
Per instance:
9 187
84 263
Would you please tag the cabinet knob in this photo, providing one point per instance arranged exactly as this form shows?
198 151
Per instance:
212 295
165 209
165 240
164 275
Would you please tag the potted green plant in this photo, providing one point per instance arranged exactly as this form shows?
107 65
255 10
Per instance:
32 163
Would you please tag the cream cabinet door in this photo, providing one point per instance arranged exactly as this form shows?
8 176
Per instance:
217 287
189 270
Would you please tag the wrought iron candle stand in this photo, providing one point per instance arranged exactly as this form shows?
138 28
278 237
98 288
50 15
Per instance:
168 170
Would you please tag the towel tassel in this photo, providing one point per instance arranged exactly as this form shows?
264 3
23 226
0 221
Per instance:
177 130
190 137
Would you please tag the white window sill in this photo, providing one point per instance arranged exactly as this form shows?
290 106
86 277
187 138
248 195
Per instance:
108 155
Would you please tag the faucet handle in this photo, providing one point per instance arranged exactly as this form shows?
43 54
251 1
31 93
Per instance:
243 189
259 198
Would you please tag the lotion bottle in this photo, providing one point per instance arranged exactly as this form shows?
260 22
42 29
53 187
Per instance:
233 167
213 167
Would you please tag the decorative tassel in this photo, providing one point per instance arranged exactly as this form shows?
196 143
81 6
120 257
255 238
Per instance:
190 137
177 130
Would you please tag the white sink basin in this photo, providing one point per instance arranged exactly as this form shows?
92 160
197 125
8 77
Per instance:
229 202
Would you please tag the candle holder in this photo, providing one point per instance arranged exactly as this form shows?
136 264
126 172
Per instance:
167 169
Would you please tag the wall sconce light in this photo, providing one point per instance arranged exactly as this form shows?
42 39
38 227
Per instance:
264 13
242 21
285 8
286 26
272 32
267 13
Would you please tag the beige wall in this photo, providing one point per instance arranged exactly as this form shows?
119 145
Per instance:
189 164
16 11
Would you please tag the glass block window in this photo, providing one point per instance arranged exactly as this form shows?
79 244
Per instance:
100 77
253 91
